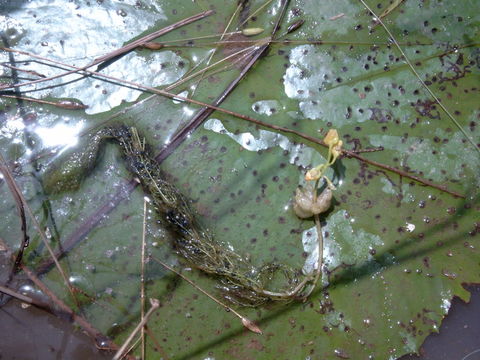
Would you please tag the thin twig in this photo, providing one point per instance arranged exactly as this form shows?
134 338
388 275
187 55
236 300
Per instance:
31 72
393 5
249 324
142 276
215 49
21 209
206 68
34 302
155 305
16 295
256 12
133 346
437 100
64 104
418 179
282 13
186 42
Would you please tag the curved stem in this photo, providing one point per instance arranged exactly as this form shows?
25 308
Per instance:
319 264
318 225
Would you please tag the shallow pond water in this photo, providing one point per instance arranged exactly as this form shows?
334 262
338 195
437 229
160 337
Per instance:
396 252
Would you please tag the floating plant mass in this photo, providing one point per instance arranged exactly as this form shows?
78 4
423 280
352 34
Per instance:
241 282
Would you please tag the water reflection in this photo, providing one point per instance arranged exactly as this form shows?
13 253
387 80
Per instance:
60 134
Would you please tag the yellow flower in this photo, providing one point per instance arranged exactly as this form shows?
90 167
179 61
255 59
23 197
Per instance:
331 139
334 145
334 151
314 174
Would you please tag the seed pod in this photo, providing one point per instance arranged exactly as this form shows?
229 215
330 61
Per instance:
304 205
295 26
252 31
71 104
153 45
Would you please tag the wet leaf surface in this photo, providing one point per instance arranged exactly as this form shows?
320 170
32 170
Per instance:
396 252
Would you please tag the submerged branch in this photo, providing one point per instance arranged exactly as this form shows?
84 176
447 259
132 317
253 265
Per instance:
18 296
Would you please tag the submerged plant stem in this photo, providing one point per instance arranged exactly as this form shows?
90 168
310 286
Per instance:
319 264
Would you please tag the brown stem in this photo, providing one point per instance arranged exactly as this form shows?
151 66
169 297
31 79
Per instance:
16 295
155 304
31 72
64 104
21 209
403 173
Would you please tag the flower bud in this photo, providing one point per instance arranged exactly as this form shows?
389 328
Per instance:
313 174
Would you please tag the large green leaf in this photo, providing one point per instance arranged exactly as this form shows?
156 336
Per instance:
396 252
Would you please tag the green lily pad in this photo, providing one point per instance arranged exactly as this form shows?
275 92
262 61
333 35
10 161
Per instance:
396 252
